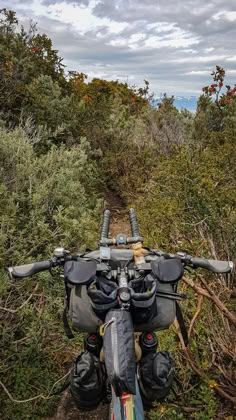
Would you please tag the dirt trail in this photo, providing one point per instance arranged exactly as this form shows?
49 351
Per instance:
119 215
67 410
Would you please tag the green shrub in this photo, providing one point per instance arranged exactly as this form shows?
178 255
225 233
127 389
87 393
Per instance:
46 200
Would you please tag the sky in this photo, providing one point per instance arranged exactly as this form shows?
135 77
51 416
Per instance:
174 44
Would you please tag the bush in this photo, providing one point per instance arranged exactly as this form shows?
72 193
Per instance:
45 201
190 199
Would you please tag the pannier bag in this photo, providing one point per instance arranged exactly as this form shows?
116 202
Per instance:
143 299
87 381
118 346
166 273
81 313
78 274
156 374
165 310
103 296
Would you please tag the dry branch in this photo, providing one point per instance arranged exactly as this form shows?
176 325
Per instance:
40 396
13 311
186 351
199 307
212 296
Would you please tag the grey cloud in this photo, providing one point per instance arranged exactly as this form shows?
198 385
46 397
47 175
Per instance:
88 54
189 15
76 2
195 18
188 11
167 68
15 4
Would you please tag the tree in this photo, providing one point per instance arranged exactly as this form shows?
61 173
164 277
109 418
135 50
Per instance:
24 56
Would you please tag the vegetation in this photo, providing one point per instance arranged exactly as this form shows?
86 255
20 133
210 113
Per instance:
64 142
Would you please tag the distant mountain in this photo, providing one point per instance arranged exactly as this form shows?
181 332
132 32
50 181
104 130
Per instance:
181 102
188 102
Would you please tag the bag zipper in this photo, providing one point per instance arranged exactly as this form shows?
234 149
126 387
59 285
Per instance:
114 344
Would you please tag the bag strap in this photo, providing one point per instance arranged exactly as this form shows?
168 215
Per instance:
67 328
66 325
182 326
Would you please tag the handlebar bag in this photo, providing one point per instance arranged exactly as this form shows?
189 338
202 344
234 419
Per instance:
118 346
103 295
143 299
80 271
167 270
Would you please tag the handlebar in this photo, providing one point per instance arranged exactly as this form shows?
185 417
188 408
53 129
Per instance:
120 239
214 266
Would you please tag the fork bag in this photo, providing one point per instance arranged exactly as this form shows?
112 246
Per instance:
156 374
87 381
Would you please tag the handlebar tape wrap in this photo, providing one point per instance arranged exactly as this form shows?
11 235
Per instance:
134 223
105 224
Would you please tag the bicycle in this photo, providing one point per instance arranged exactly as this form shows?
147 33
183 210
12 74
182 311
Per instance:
125 267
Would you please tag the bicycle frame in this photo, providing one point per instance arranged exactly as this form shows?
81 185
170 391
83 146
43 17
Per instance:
127 407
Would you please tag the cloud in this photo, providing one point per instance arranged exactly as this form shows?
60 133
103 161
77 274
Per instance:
174 45
83 3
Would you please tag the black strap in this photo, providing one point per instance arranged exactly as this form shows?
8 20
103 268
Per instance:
171 295
67 328
182 326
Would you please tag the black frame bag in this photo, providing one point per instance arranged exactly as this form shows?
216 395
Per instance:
118 346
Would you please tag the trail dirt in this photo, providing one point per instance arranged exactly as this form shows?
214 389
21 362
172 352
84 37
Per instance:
66 409
119 215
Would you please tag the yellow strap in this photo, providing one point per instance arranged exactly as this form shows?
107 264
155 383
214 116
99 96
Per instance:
139 252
